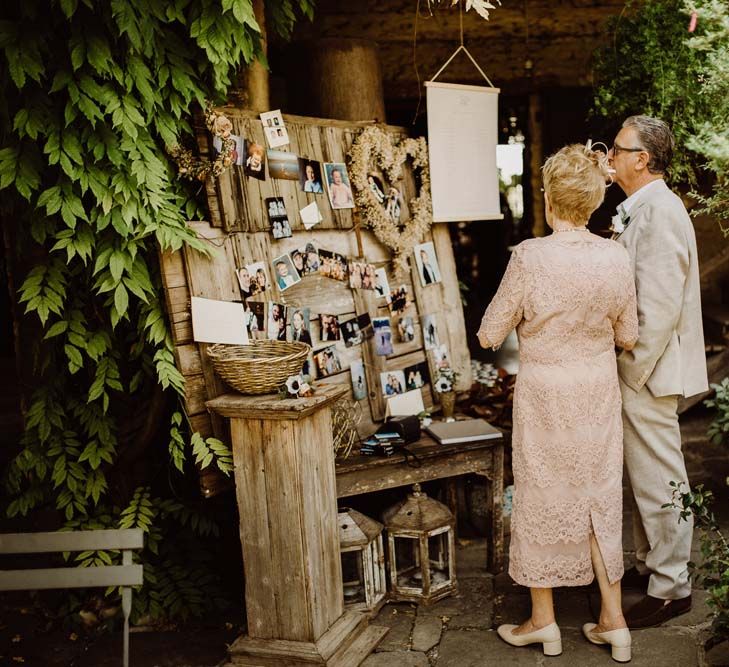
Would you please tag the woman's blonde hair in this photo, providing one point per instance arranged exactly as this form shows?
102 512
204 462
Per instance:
575 179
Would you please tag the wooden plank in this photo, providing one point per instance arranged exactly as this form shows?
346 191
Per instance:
188 359
71 540
201 424
70 577
173 269
195 394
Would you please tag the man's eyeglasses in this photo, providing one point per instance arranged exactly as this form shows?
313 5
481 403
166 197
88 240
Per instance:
617 148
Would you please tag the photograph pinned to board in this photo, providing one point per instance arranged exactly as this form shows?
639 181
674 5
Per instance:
259 277
394 204
383 336
255 160
382 285
430 332
357 330
274 128
277 217
256 319
299 325
327 361
310 215
238 151
393 382
330 329
397 299
332 265
216 321
417 376
359 381
406 329
284 272
375 183
245 281
361 275
276 326
427 263
408 403
338 185
441 360
310 176
306 259
283 165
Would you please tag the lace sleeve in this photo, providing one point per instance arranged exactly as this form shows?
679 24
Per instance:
506 308
625 325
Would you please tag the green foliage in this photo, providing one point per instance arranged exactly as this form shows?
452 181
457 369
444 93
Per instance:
93 92
719 428
713 572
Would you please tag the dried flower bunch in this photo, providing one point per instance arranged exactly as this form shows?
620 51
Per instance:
375 147
193 168
481 7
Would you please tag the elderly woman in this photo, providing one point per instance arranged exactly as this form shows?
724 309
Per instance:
571 296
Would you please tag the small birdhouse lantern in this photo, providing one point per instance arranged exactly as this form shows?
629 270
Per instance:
421 549
363 561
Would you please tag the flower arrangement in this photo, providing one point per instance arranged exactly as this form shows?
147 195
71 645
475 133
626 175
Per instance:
445 380
195 169
297 388
374 145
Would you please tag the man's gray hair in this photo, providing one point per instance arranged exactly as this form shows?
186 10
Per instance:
656 137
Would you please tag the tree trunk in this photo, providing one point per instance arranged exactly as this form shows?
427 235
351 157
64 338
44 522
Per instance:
536 156
251 89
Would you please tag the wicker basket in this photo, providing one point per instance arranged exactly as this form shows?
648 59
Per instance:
260 367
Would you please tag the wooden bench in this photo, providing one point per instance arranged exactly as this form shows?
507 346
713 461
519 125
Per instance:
126 575
364 474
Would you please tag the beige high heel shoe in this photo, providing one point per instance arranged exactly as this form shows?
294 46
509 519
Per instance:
549 637
619 640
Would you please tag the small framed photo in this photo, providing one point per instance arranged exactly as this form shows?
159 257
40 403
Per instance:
238 151
393 382
338 185
397 299
361 275
330 329
278 218
383 336
276 328
441 359
427 263
327 361
393 204
285 273
283 165
258 277
406 329
359 381
255 319
417 376
299 325
374 181
332 265
255 160
310 176
430 332
274 128
382 286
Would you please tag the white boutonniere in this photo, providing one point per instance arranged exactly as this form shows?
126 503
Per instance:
617 227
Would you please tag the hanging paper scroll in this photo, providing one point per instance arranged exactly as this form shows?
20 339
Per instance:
462 138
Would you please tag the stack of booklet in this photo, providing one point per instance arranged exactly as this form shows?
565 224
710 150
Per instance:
383 444
464 430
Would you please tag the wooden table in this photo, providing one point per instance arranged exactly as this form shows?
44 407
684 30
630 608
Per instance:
363 474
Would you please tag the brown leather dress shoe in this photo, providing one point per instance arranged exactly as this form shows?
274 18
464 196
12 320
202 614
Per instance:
650 611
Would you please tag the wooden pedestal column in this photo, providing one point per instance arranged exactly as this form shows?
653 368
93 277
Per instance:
287 500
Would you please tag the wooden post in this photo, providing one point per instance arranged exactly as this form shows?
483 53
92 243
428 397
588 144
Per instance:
536 158
252 87
285 484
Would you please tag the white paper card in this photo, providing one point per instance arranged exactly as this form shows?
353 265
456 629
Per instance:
462 138
218 322
409 403
310 215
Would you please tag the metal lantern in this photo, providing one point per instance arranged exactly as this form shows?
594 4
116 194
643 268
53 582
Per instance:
421 549
363 560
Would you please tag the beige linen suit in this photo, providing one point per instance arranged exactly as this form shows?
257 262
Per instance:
667 361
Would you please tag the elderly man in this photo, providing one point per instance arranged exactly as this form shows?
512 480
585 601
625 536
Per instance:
668 361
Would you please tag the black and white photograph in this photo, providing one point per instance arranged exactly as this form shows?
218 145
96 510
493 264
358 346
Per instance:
417 376
327 361
427 263
255 160
383 335
393 204
397 299
310 176
359 381
258 277
299 326
378 189
283 165
256 319
277 217
284 272
238 151
430 332
338 185
306 259
332 265
382 286
441 359
276 327
330 330
393 383
361 275
351 332
406 329
274 128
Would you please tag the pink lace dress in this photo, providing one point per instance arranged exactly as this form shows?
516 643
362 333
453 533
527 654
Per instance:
571 296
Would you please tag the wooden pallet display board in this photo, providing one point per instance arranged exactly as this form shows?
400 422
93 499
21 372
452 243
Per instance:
239 234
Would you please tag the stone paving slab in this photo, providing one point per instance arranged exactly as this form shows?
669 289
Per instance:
426 633
482 648
472 607
397 659
400 621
